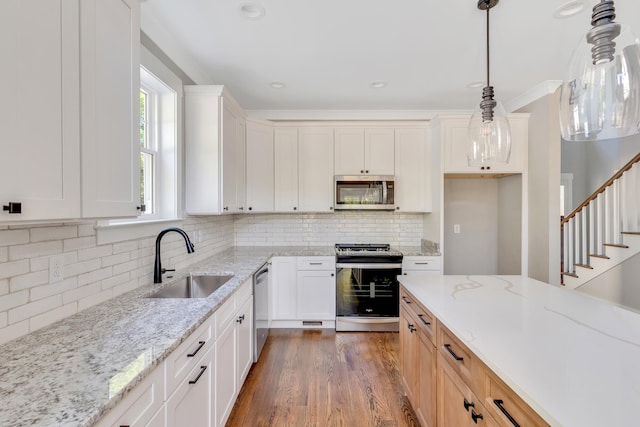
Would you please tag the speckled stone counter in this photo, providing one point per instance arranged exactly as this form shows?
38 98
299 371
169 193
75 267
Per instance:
71 373
415 251
571 357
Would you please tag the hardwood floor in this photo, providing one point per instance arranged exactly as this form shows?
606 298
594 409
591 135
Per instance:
320 378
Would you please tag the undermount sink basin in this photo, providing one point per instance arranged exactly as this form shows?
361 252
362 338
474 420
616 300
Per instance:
193 286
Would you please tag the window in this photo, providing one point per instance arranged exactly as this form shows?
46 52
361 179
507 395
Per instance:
148 150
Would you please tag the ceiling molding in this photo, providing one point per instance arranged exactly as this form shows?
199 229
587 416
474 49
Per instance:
545 88
289 115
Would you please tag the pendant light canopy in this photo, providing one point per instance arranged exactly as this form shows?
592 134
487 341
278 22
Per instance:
489 132
600 99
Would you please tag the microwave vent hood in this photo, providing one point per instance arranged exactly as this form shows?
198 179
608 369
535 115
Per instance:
364 192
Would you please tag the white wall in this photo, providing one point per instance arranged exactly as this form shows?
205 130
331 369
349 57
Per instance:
92 273
398 229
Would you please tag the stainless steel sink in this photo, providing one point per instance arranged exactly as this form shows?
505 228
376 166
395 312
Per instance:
193 286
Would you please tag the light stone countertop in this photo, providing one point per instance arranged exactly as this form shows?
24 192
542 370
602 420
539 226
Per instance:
573 358
70 373
415 251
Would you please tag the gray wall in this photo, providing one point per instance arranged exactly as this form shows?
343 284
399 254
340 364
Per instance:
544 189
510 225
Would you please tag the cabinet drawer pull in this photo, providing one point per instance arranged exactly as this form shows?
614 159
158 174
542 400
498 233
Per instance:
468 404
421 263
202 369
315 263
411 328
506 413
197 349
240 319
475 416
455 356
406 300
421 316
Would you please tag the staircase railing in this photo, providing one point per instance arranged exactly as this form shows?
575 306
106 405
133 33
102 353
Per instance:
602 219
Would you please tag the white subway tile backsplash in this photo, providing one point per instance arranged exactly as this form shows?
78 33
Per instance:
34 249
42 234
93 274
13 237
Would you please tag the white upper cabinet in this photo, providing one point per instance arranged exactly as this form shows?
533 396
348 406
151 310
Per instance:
89 52
110 64
260 170
214 140
241 164
413 170
286 169
454 139
315 169
360 151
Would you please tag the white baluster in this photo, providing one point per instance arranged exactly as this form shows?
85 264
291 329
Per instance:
615 211
598 248
571 248
584 246
593 228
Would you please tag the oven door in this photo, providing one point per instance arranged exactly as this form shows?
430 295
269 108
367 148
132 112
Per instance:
367 290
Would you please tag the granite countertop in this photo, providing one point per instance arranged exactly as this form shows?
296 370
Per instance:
416 251
573 358
72 372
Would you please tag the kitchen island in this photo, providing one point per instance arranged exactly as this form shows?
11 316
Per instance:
572 358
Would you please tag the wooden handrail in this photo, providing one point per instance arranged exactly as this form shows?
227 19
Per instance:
602 188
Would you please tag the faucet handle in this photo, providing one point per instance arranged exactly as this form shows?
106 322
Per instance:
164 270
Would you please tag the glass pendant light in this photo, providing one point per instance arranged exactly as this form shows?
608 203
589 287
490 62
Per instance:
600 99
489 132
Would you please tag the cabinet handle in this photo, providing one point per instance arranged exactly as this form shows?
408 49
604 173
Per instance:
475 416
240 319
397 208
295 208
315 263
333 274
330 208
422 263
406 300
202 369
412 328
141 208
241 208
13 207
468 404
250 208
455 356
362 171
226 208
366 171
197 349
506 413
421 316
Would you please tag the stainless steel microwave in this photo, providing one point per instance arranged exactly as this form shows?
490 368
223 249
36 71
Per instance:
371 192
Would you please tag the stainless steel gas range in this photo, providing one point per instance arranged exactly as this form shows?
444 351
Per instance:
367 289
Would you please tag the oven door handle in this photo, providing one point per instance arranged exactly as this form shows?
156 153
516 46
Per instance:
365 266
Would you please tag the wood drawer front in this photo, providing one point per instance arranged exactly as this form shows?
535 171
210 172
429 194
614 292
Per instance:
458 356
424 320
421 263
187 355
506 406
316 263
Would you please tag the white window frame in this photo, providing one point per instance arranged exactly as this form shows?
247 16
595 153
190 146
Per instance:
158 79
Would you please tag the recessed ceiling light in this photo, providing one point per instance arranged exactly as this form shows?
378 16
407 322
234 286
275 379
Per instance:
252 10
569 9
475 84
378 84
277 85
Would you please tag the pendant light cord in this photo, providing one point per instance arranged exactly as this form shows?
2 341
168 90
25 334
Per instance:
488 84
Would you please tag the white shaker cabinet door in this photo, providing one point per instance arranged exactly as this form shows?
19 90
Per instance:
110 87
379 151
315 169
413 170
39 112
245 340
316 295
283 286
349 151
286 169
260 170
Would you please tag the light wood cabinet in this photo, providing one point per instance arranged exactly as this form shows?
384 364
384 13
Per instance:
315 169
260 168
446 383
78 119
360 151
413 170
418 358
214 151
286 169
454 139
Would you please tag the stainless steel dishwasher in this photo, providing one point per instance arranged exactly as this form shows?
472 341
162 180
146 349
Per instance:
260 309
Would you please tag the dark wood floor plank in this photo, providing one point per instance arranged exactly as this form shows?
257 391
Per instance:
320 378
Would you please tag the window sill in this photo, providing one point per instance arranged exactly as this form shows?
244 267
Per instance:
120 231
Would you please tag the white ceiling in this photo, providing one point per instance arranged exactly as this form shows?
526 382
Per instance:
327 52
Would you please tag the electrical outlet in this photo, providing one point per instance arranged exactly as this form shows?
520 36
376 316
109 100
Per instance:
56 268
456 228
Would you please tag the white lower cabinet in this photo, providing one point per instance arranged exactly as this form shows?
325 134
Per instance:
303 289
425 265
191 403
198 383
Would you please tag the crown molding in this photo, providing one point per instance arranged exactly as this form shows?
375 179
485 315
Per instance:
540 90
